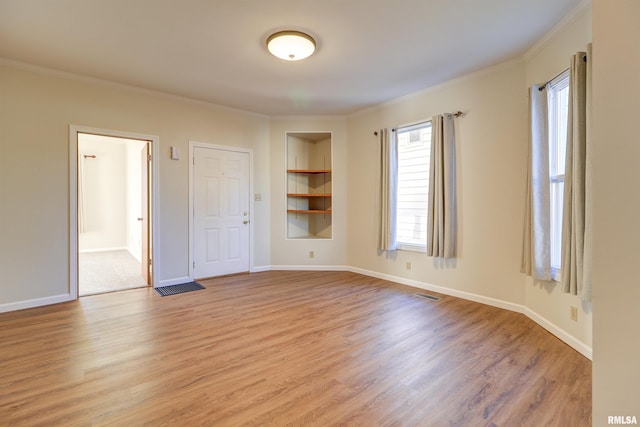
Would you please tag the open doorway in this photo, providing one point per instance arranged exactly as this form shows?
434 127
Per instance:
113 213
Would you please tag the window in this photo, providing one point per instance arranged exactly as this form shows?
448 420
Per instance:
414 149
558 99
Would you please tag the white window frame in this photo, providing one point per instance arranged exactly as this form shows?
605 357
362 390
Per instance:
406 245
557 149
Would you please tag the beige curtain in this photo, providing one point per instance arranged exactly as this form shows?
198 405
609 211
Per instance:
441 218
388 171
536 249
576 235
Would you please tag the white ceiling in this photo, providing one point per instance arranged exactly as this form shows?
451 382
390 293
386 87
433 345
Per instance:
369 51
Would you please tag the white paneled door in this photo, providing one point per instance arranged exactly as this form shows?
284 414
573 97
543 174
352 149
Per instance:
220 212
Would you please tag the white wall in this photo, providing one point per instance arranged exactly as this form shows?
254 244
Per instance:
111 196
35 114
616 154
287 253
545 60
491 159
104 184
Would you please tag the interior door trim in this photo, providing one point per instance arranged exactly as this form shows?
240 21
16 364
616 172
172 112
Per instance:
73 199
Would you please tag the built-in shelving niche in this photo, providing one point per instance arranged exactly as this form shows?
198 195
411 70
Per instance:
309 189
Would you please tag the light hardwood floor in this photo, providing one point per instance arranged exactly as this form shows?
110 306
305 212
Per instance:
286 348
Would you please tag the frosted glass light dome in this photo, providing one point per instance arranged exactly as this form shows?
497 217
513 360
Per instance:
291 45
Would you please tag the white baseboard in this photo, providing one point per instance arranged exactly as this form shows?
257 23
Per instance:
114 249
563 335
310 267
442 290
554 329
38 302
260 269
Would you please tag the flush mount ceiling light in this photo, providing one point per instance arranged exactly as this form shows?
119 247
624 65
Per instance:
291 45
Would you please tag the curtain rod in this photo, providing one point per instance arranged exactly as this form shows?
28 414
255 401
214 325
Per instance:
584 58
455 114
542 86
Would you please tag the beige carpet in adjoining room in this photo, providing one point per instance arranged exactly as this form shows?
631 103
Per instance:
101 272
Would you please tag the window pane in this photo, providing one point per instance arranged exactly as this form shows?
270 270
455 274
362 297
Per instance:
414 146
562 107
558 112
557 194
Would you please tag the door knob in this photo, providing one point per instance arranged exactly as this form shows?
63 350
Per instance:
245 222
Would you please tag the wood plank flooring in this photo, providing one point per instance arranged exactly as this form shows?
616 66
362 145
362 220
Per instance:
286 349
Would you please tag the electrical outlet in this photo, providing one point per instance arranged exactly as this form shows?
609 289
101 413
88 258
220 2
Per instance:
574 313
408 265
312 254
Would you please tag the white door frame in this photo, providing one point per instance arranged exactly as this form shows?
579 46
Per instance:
192 145
73 199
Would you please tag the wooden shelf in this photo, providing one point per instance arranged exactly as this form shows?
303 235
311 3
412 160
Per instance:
311 171
308 185
309 211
